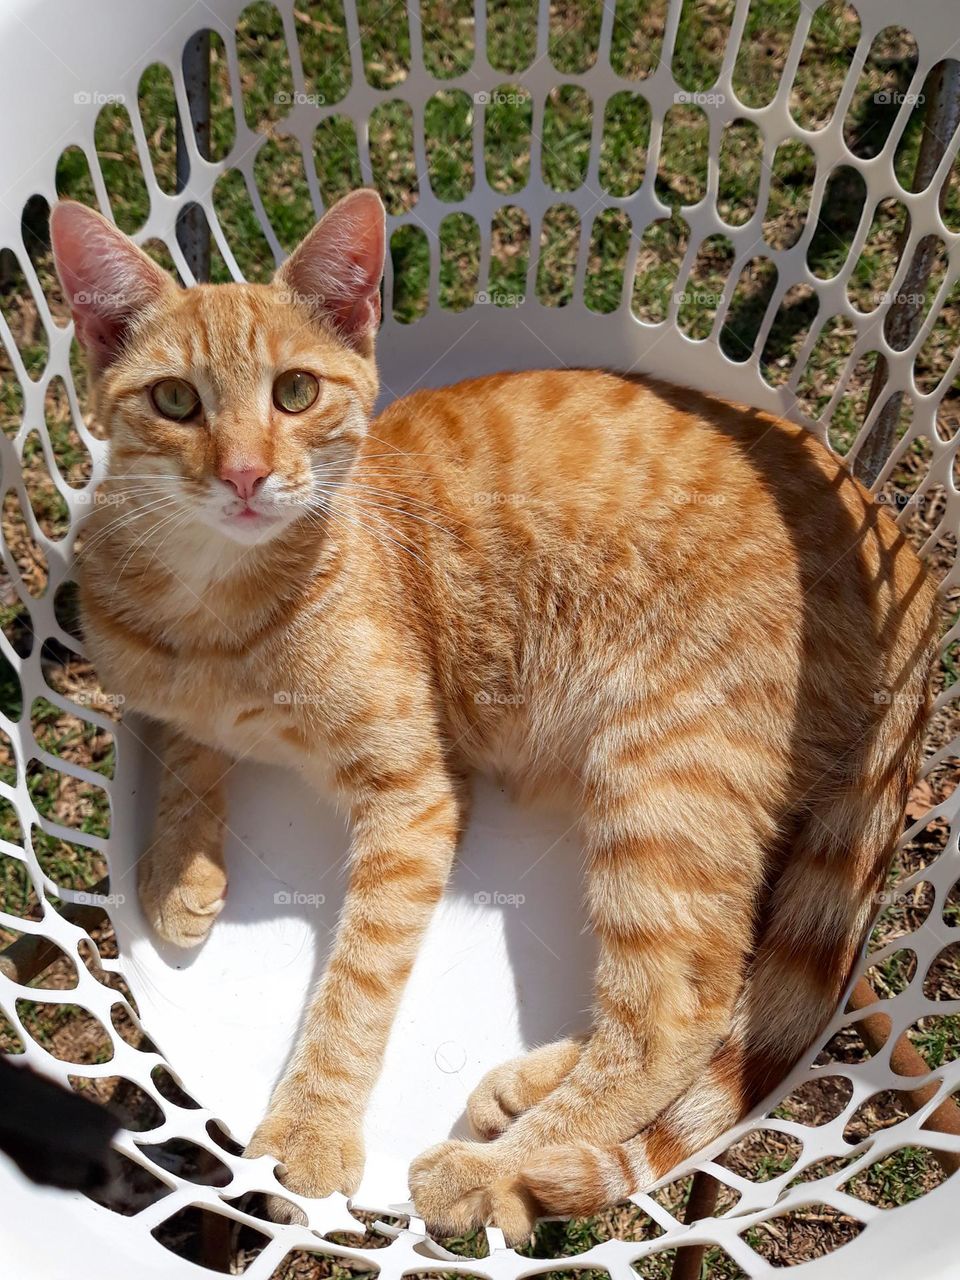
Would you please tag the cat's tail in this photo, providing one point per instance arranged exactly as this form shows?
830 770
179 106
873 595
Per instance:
813 927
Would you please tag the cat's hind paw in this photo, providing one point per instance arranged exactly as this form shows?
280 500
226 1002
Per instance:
458 1187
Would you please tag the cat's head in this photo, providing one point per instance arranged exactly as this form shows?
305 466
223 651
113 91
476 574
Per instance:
241 406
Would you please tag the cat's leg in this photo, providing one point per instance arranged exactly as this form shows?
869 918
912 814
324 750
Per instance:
182 877
407 818
515 1086
673 880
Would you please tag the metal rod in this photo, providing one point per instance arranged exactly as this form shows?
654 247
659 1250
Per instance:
942 92
701 1203
193 232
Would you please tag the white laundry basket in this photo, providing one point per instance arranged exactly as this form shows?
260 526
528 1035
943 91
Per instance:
506 964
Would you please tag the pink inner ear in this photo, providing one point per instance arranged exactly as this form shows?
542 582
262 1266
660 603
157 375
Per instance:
105 278
339 265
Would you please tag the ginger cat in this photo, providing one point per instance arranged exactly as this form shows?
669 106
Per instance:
688 615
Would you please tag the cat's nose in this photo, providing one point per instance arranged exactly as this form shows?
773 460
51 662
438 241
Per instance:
246 480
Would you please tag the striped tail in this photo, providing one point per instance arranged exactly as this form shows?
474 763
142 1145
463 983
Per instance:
812 929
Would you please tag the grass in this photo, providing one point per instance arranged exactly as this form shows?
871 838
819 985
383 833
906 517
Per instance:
508 153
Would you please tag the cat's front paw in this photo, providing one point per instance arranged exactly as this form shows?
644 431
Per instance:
181 895
458 1187
318 1151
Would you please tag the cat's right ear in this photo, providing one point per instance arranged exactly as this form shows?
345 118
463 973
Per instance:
106 278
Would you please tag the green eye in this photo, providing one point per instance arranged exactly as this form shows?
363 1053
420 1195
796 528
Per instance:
175 399
295 391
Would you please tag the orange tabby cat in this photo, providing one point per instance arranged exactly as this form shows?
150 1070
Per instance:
688 616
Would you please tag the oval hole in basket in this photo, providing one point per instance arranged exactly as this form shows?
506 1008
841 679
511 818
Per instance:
792 174
447 129
881 93
938 353
827 54
942 980
507 124
824 365
385 42
741 157
50 511
120 165
659 258
157 105
636 43
893 975
816 1101
324 50
241 227
188 1160
509 256
264 65
840 213
410 255
68 1032
906 310
704 291
625 143
11 693
763 1154
870 282
748 307
851 409
27 554
68 801
908 148
391 155
904 911
22 314
936 1038
35 229
879 1111
557 256
11 395
185 1232
171 1089
565 140
18 896
58 971
609 244
459 261
216 142
133 1188
574 36
448 33
701 40
282 182
674 1196
63 734
778 1238
70 453
10 1041
762 55
682 164
73 177
10 828
899 1177
511 34
795 316
336 157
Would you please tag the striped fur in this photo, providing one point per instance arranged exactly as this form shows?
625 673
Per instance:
683 614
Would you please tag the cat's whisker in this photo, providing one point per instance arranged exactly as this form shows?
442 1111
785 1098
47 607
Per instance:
374 533
114 526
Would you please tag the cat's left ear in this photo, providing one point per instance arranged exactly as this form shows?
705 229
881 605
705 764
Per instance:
107 280
336 269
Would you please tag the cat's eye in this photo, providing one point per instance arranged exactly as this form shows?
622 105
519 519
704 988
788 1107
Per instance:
175 399
295 391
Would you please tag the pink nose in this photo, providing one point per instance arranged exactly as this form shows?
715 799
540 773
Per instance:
246 480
